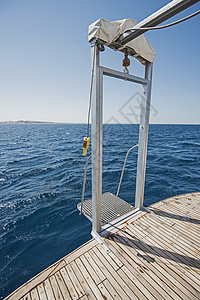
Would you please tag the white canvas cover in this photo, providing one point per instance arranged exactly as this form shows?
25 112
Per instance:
110 31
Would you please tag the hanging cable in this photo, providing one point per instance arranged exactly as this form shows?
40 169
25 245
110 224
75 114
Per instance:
164 26
86 140
90 101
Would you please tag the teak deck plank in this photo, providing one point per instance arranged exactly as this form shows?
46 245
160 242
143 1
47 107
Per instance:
180 214
80 292
48 289
174 250
172 231
168 262
55 287
138 271
27 297
111 289
114 278
141 290
62 285
164 270
157 273
34 294
84 298
101 276
154 255
83 283
109 258
41 292
174 259
168 238
104 291
109 271
136 276
91 270
130 283
89 279
68 285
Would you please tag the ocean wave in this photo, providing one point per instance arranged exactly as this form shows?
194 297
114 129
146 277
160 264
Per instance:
41 180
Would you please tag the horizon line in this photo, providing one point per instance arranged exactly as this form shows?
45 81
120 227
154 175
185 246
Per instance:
85 123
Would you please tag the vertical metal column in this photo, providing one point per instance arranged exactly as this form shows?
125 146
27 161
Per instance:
97 120
143 137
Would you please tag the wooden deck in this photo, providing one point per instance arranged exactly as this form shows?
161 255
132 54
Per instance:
154 255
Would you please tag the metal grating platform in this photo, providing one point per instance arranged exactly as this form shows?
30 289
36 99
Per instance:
113 207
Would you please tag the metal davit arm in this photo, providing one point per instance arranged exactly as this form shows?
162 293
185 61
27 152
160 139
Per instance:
124 167
166 12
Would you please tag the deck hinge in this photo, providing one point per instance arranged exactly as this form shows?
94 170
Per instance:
99 239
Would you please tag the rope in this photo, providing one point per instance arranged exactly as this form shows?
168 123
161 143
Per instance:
83 191
90 101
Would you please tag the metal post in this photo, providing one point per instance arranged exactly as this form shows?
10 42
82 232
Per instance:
143 137
97 119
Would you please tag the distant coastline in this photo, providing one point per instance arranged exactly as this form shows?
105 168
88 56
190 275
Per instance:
52 122
27 122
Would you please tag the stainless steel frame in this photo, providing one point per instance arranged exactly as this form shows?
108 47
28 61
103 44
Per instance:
143 137
97 125
97 121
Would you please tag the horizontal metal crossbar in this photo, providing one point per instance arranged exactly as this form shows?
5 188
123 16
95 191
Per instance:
122 75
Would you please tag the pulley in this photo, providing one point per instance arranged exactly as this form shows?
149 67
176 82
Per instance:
126 62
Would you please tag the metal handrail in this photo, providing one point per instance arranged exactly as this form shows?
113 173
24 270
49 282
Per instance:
86 165
83 192
124 167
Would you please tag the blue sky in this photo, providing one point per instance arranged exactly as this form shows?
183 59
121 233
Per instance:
45 61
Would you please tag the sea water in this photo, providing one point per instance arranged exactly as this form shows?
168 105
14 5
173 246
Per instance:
41 179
